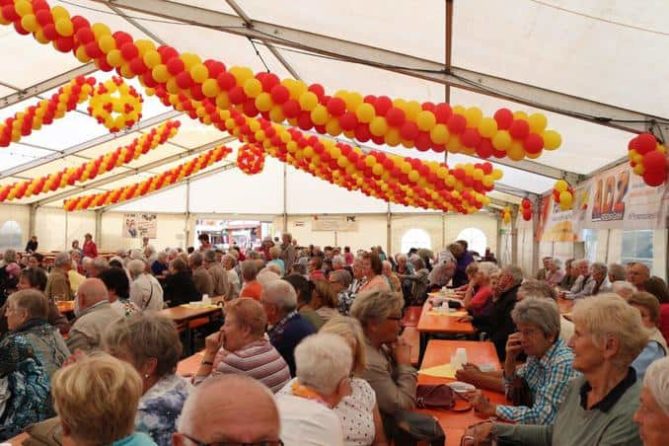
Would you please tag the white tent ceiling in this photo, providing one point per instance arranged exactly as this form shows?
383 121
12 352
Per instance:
602 57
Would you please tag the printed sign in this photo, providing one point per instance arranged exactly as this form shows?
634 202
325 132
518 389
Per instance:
140 225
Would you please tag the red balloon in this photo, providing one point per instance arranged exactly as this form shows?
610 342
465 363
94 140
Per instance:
93 50
317 89
64 44
175 66
382 105
225 80
533 143
50 32
84 35
279 93
185 81
457 124
362 133
484 149
348 121
129 51
137 66
236 94
519 129
121 38
645 143
654 162
336 106
423 141
654 179
409 130
442 112
214 67
395 116
504 118
269 81
44 17
470 138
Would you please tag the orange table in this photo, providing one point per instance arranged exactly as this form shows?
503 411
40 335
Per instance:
565 305
430 324
440 352
65 306
188 367
183 314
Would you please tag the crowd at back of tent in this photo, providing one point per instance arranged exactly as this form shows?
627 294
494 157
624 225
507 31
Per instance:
318 332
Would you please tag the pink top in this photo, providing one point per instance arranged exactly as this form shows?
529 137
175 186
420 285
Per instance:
379 283
554 278
480 299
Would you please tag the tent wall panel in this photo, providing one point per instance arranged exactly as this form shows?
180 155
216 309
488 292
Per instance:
56 229
170 232
21 215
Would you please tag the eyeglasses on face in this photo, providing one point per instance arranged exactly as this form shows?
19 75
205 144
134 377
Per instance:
233 443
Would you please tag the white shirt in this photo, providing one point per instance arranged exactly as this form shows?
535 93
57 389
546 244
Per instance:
233 277
306 422
146 293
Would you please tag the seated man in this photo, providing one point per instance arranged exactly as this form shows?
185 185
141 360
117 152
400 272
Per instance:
94 314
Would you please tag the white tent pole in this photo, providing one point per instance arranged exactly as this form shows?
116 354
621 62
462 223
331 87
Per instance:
389 231
98 227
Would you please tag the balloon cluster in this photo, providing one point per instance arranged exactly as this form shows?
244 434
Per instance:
115 104
425 126
406 181
46 111
648 159
563 194
506 215
526 208
250 159
152 184
91 169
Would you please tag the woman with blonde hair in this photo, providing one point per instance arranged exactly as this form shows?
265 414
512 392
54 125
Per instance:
324 300
96 399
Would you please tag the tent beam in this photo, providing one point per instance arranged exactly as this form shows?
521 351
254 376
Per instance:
49 84
135 171
88 144
576 107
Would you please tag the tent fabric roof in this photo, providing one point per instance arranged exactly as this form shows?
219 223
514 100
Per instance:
605 51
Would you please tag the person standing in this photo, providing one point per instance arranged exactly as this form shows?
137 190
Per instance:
90 248
32 244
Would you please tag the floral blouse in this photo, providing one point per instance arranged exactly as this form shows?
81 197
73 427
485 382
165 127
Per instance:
160 407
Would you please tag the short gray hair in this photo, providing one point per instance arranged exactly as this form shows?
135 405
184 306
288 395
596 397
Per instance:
136 267
282 294
62 259
338 260
210 256
342 276
543 313
657 381
9 256
617 272
599 267
267 276
537 288
322 361
515 272
623 288
488 269
229 258
376 306
249 270
196 259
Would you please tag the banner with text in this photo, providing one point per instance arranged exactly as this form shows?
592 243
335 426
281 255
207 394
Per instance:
140 225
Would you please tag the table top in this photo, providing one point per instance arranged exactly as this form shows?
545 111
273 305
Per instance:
188 366
439 352
65 306
429 323
184 313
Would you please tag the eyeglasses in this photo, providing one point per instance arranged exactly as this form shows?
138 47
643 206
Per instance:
234 443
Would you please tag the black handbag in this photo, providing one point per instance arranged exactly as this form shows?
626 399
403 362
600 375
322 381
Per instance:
412 428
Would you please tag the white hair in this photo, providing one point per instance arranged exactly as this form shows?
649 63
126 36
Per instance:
273 267
282 294
657 381
136 268
322 361
338 260
267 276
623 288
136 254
62 259
488 268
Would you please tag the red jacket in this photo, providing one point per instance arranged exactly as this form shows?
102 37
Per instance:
90 249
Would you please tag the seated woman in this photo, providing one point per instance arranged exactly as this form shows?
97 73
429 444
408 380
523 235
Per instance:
599 404
29 355
656 348
241 347
653 413
305 289
155 358
96 399
479 291
323 367
389 369
179 285
547 371
419 281
324 300
372 268
118 289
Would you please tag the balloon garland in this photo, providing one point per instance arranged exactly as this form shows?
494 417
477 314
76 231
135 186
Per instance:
563 194
648 159
425 126
116 105
406 181
526 206
506 215
46 111
250 159
155 183
90 169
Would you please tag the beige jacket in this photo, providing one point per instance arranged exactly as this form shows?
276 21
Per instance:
220 282
202 281
394 385
86 332
58 286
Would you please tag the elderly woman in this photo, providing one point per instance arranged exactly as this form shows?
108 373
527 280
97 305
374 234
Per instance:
419 281
616 272
656 348
252 288
598 283
570 275
145 290
155 359
479 291
179 285
442 273
599 404
393 280
372 268
389 369
240 347
29 355
542 290
546 372
323 368
160 266
554 273
324 300
653 413
118 289
340 281
229 263
275 259
96 399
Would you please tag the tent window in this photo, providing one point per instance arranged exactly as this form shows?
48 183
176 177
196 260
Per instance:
638 247
475 238
10 235
416 238
589 237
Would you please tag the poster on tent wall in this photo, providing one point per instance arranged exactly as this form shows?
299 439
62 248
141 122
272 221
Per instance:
140 225
556 225
346 223
621 200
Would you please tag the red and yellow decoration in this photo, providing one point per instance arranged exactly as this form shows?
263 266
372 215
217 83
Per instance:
91 169
116 105
526 209
402 180
563 194
155 183
250 159
46 111
648 159
381 119
506 215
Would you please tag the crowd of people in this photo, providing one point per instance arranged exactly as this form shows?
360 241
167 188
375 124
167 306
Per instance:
310 350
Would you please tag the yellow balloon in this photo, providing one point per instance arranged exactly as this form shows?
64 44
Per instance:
537 122
516 151
487 127
412 109
377 170
308 101
160 73
552 139
474 116
107 43
392 137
425 120
24 8
64 27
190 60
365 112
152 58
561 186
414 176
378 126
41 38
497 174
29 23
520 115
252 87
439 134
223 100
319 115
115 58
639 169
241 74
99 30
144 46
199 73
276 114
333 128
501 140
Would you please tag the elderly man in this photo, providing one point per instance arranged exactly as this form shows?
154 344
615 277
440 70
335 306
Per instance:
94 314
583 268
218 274
58 285
543 272
340 281
160 266
288 327
145 290
598 282
288 254
637 275
95 266
201 278
229 262
229 409
652 416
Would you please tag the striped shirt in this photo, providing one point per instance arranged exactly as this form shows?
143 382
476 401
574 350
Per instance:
259 360
548 378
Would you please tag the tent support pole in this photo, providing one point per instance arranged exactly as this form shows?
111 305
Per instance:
514 236
285 199
536 244
98 228
499 242
32 220
186 223
389 230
